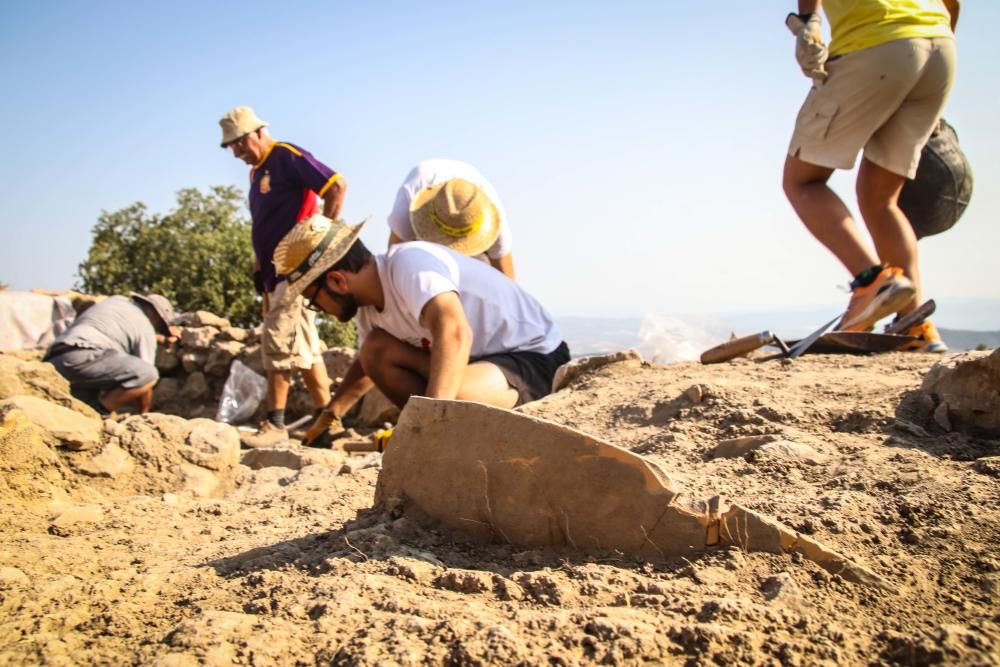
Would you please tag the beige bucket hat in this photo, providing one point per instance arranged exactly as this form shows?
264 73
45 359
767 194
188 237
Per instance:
457 214
310 248
239 122
162 306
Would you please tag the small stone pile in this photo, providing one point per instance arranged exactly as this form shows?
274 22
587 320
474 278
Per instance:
193 371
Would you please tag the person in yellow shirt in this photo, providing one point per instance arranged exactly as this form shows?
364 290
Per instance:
880 86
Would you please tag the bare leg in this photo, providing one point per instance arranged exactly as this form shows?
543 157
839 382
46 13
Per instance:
485 383
824 214
116 398
401 370
878 197
278 383
318 383
398 369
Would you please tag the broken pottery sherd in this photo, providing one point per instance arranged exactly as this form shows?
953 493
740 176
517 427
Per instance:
500 475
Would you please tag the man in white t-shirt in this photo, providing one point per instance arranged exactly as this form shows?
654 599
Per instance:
431 321
427 209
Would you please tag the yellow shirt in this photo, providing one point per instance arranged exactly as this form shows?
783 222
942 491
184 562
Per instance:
859 24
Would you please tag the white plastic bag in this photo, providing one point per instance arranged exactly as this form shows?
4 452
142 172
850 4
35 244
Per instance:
241 395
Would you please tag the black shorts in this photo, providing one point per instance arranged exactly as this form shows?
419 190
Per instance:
530 373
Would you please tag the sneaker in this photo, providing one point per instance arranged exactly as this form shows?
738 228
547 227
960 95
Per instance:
889 292
930 339
267 435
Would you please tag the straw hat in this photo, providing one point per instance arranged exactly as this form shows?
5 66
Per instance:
162 307
239 122
310 248
457 214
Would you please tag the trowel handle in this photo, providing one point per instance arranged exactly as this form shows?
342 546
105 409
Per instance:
736 347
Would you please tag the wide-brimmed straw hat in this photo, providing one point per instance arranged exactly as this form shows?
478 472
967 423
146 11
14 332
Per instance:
162 306
457 214
310 248
239 122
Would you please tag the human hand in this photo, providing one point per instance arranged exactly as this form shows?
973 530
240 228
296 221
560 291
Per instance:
321 433
810 50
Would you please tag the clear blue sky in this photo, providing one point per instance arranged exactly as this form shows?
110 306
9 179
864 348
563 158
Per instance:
637 146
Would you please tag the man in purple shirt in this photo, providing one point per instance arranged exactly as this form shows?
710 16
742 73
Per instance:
285 181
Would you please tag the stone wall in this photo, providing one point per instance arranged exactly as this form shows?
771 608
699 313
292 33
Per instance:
193 371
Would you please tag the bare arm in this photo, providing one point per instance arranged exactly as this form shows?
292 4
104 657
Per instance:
953 6
333 200
452 336
504 265
355 385
393 239
809 6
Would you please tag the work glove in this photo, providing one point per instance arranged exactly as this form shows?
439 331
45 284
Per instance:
258 282
382 439
810 51
325 427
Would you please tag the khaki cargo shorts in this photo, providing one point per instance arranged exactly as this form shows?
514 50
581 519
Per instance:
886 99
288 336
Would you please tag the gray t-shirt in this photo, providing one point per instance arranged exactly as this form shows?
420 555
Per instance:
114 324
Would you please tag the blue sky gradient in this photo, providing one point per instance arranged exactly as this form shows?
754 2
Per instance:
637 146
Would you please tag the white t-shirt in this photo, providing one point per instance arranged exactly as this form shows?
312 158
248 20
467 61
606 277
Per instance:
431 172
502 315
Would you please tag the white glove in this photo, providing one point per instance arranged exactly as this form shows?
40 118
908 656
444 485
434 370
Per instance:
810 51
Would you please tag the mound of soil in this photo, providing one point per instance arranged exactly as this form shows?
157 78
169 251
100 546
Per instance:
292 566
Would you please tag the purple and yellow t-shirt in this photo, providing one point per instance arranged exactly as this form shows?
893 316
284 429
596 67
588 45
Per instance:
283 190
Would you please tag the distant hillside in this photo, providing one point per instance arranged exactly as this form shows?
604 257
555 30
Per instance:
960 339
666 339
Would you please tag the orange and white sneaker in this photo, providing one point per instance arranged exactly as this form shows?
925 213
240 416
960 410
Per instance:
889 292
930 339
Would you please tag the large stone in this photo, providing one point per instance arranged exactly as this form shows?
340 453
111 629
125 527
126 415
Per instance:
198 338
376 409
58 426
203 318
19 377
338 360
220 356
291 456
968 384
793 451
193 360
195 387
166 391
735 447
571 370
171 454
111 462
74 517
771 445
32 476
235 334
167 358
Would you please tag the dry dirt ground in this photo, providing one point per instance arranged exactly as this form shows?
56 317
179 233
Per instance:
293 567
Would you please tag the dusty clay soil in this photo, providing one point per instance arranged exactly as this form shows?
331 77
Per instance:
292 567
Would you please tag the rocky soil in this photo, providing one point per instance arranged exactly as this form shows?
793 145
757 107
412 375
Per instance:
154 540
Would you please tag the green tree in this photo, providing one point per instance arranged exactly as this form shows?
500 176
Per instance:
199 256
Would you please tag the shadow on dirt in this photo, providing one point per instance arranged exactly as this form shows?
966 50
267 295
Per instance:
374 536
